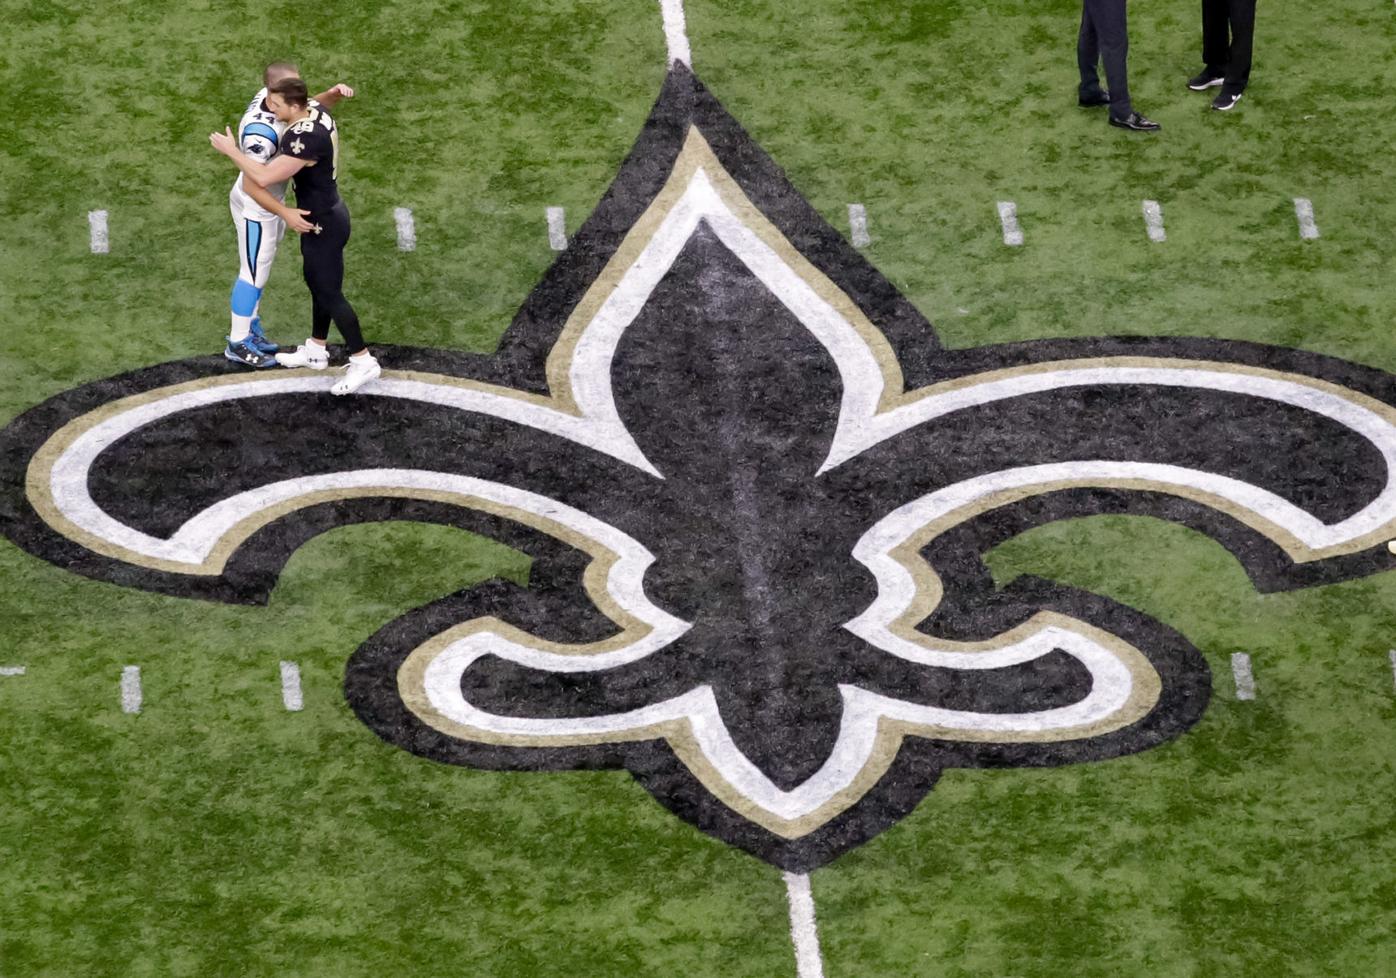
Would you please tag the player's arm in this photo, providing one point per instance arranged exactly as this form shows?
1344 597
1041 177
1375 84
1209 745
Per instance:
259 143
295 219
277 170
330 97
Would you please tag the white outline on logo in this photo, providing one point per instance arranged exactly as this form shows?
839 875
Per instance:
861 424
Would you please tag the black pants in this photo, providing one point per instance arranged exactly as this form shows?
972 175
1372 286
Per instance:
322 255
1228 32
1104 38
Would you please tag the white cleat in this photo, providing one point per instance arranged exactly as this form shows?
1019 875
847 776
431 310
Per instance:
360 371
306 355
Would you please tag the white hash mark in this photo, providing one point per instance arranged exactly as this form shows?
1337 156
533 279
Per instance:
1153 220
1304 211
131 689
1008 217
557 228
1245 679
97 228
291 687
858 225
406 229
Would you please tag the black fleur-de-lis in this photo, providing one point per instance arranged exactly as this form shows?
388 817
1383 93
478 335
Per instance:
756 492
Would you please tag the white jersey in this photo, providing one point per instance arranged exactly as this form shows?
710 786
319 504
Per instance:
259 136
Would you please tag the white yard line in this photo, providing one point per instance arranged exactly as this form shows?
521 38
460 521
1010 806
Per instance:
131 689
1304 211
557 228
11 670
803 930
1393 667
1153 220
291 687
406 229
1245 679
858 225
1008 217
676 31
97 228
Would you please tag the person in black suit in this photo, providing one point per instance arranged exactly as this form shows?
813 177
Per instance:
1104 38
1228 34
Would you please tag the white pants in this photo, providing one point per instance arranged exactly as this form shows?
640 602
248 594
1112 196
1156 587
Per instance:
257 244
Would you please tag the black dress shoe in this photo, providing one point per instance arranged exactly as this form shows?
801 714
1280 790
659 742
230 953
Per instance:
1136 122
1093 101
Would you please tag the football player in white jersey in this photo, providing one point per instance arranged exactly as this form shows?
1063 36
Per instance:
261 218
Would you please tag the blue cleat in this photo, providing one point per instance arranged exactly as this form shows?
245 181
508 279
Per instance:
248 355
260 341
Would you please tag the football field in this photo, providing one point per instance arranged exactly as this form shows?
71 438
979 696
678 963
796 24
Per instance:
225 623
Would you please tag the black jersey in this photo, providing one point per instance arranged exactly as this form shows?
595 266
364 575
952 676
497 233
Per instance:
315 140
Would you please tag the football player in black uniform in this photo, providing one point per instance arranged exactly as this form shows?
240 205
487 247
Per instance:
310 157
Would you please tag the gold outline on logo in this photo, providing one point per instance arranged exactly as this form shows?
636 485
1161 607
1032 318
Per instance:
696 154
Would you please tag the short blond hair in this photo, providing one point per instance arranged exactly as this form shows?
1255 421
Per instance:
278 70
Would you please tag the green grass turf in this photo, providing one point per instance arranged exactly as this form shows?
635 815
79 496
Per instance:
217 834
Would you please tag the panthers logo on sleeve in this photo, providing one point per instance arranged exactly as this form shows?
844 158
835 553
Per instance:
259 132
258 140
258 147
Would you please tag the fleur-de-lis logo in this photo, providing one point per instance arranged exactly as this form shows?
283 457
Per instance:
757 494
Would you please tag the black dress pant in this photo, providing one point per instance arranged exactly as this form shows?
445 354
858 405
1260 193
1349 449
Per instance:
322 256
1104 38
1228 31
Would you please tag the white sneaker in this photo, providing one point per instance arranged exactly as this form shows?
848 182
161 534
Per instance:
359 372
307 355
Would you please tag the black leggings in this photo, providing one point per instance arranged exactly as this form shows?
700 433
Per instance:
322 255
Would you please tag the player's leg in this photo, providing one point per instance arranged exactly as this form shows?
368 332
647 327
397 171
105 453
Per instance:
324 274
273 232
246 292
313 353
322 278
319 319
